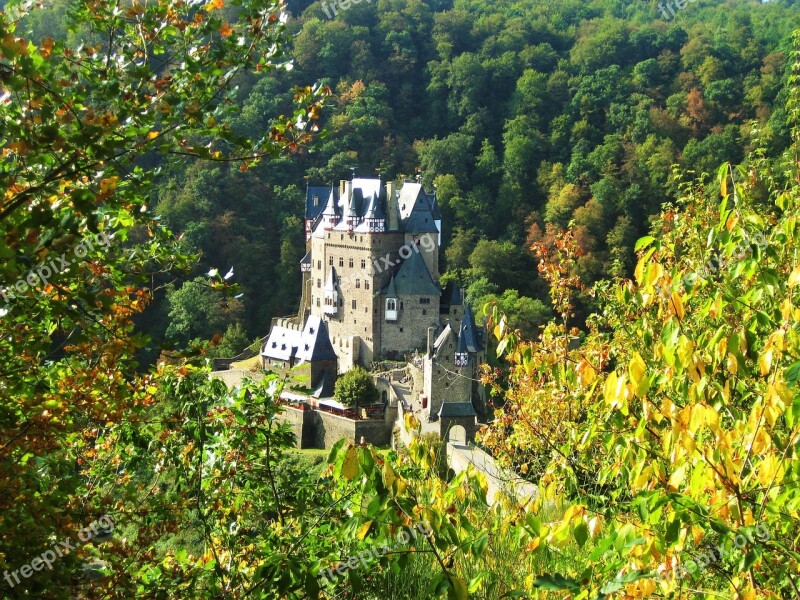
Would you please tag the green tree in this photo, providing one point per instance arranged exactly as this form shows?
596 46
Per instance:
356 388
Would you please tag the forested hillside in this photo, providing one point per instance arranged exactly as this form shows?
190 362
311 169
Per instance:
662 440
522 115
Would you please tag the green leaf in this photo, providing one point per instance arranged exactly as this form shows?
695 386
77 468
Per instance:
643 242
793 374
673 531
458 589
581 533
556 582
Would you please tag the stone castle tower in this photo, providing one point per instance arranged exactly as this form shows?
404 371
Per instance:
372 267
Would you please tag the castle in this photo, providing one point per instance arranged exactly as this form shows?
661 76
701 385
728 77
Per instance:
371 293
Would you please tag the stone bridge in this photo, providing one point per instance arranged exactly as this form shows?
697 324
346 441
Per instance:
460 455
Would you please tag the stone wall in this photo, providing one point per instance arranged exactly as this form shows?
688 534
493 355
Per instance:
330 428
302 424
233 377
410 331
319 429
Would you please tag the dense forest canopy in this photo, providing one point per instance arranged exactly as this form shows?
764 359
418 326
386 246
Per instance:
523 116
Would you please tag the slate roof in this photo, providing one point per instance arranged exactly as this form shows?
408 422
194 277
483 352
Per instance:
414 279
442 338
452 295
282 343
312 343
306 259
468 336
418 211
312 212
457 409
315 343
391 289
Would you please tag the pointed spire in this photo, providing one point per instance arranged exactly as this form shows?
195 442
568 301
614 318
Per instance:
329 216
375 215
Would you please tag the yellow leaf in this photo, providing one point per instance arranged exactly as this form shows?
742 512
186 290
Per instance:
678 476
765 362
636 368
733 364
677 305
388 475
533 544
595 525
350 466
152 135
643 479
586 373
794 278
225 30
363 530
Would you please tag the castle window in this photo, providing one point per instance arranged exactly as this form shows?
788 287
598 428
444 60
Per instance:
363 264
401 330
341 261
318 302
366 284
341 301
391 309
358 284
319 282
455 311
350 263
353 303
330 260
341 236
401 306
319 264
424 300
316 200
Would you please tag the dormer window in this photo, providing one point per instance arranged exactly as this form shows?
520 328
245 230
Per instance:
316 200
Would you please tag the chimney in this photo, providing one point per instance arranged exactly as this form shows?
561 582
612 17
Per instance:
342 183
348 192
391 207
